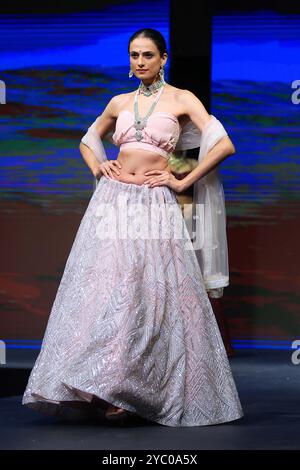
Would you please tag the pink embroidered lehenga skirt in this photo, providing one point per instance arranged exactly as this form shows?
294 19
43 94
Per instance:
132 323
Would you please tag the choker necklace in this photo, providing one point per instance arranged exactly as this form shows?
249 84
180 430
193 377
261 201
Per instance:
148 90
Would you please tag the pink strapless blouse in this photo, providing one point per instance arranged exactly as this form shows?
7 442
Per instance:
160 134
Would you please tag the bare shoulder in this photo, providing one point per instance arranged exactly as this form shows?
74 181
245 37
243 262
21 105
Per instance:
193 107
118 99
175 91
117 102
187 97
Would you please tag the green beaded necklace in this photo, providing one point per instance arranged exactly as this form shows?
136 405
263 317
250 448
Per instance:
140 122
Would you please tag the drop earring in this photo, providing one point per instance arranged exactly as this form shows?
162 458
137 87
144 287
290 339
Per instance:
130 73
162 72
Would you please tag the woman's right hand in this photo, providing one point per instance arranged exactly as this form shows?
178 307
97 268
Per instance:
109 168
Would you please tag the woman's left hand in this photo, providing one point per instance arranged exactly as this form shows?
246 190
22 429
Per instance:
163 178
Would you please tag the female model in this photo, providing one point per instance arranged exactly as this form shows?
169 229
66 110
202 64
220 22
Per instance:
132 325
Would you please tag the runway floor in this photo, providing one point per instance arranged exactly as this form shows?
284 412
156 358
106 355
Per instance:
268 384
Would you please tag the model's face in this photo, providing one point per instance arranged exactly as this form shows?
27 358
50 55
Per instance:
145 60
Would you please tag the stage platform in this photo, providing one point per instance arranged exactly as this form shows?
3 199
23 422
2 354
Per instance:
268 384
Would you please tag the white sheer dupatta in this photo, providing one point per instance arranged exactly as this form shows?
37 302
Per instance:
93 140
209 213
208 201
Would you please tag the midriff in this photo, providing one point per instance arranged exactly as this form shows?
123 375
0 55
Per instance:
136 162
